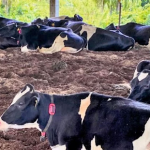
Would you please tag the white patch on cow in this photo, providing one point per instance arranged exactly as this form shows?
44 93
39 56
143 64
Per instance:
20 94
25 49
148 46
90 31
142 76
70 50
4 126
142 142
84 105
93 145
63 147
135 73
57 46
109 99
58 147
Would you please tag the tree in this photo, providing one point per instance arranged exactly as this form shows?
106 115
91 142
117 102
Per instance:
113 4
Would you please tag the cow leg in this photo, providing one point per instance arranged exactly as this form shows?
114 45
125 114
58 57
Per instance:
74 144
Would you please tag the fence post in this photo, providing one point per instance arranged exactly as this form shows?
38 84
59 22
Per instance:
54 8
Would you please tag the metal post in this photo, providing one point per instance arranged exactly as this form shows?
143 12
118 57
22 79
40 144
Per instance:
54 8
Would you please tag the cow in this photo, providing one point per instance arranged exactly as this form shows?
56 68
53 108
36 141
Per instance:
83 120
8 42
140 84
102 40
47 21
12 30
140 33
50 39
6 21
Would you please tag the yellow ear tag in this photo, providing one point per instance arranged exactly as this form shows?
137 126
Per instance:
36 102
53 24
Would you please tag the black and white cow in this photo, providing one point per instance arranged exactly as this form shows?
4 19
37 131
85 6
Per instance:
59 21
140 84
82 120
12 30
102 40
50 39
140 33
7 21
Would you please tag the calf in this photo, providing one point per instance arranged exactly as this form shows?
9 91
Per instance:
112 123
140 33
140 84
50 39
102 40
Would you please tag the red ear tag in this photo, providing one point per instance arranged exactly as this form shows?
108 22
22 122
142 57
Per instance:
52 109
19 31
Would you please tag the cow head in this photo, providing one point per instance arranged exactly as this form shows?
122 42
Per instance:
11 30
28 38
38 21
140 87
56 22
75 18
144 64
23 112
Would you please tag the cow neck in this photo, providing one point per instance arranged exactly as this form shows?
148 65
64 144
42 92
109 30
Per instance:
51 113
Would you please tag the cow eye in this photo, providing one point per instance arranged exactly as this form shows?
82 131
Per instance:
21 103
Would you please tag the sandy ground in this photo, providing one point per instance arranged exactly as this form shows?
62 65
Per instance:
61 73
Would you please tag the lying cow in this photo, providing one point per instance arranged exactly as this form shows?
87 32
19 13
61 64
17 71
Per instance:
112 123
102 40
6 21
50 39
140 84
12 30
140 33
47 21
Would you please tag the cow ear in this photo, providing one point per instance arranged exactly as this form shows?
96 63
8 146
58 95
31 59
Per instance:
28 86
36 99
146 71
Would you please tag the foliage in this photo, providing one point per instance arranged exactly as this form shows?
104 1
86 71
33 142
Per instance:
98 12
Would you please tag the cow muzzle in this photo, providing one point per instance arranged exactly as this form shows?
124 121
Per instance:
3 125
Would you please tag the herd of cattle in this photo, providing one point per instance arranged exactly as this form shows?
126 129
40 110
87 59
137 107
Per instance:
70 34
89 120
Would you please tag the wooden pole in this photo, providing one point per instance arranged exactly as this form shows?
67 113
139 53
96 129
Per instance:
119 2
54 8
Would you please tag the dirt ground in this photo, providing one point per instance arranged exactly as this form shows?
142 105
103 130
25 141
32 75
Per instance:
61 73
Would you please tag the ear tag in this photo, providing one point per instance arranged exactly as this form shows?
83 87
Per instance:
53 24
52 109
38 26
19 30
36 102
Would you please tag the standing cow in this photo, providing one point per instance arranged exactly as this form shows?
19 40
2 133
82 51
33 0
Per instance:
90 119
